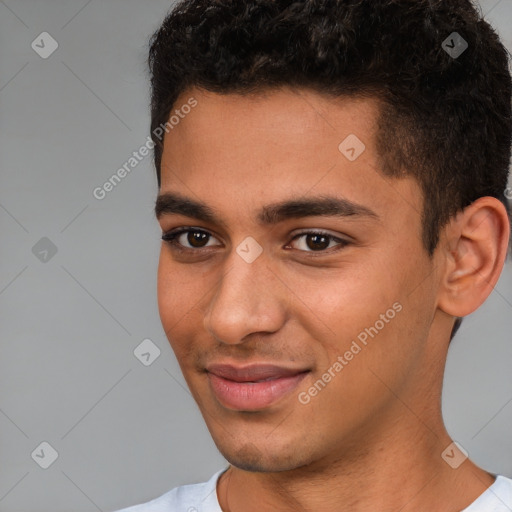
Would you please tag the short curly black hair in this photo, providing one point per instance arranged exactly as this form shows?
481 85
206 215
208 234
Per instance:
445 118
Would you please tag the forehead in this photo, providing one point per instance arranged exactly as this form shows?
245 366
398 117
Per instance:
279 128
273 144
287 111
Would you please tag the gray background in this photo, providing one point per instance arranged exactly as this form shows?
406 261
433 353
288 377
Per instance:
126 432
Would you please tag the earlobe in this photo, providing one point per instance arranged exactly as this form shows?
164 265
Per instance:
476 243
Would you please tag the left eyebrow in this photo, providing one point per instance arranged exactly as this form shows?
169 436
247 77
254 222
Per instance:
323 206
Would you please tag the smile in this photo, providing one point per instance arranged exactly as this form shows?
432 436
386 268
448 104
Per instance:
252 388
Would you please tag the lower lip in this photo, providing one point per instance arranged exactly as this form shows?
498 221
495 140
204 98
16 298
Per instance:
251 396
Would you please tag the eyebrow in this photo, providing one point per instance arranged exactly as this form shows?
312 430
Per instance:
169 203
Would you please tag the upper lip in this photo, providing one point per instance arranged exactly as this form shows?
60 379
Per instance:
252 373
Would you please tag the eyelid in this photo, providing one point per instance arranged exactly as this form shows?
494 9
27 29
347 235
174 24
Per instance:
315 231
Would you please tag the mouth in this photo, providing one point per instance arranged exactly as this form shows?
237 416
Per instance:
254 387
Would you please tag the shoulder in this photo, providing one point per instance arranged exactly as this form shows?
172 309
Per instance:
193 497
497 498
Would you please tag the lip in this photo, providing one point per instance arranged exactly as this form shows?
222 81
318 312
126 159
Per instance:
253 387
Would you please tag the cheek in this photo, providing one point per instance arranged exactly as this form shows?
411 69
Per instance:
368 303
387 325
337 304
178 296
166 291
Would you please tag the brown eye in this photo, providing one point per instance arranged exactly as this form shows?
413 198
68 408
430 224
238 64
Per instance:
188 239
318 242
197 238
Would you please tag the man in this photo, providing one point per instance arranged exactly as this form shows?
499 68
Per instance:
332 196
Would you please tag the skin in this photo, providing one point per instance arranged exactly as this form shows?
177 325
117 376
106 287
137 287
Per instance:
372 438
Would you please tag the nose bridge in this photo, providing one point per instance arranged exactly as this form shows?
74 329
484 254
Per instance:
246 300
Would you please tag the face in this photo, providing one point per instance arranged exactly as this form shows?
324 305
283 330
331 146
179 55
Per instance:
293 285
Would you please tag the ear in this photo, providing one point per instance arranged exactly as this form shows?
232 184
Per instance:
475 247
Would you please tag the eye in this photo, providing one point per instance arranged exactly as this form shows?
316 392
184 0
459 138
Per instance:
318 241
193 240
196 238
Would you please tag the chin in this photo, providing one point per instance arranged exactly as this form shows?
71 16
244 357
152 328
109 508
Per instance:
262 458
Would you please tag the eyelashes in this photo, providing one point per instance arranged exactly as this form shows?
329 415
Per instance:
175 239
172 237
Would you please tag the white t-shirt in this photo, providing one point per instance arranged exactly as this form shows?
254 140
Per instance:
203 498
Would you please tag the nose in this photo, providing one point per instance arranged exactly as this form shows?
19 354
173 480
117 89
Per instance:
248 299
